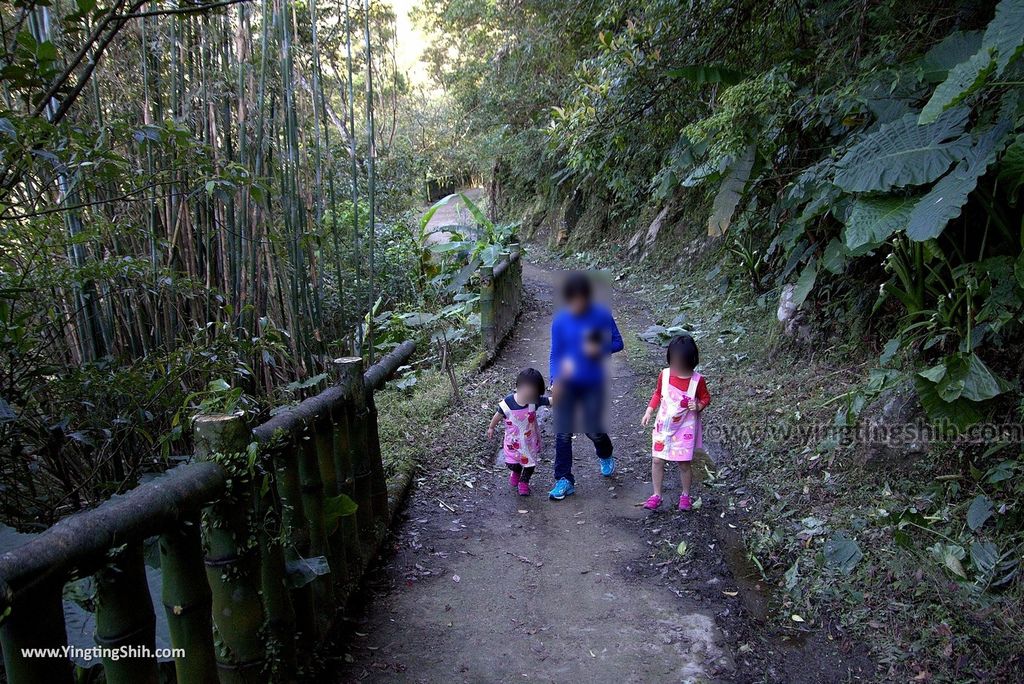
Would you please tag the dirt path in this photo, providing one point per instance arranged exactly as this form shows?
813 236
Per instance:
486 586
452 213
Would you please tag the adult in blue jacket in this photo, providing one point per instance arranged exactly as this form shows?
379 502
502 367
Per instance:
583 335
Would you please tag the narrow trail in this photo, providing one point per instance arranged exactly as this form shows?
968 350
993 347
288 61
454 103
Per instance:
452 213
486 586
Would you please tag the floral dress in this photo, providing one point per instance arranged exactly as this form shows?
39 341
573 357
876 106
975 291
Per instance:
677 429
522 434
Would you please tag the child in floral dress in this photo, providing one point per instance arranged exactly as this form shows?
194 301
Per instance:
680 396
521 445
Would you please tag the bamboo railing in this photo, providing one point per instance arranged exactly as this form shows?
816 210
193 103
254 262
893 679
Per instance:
501 298
235 528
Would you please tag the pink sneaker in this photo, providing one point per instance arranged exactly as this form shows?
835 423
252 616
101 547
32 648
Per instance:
652 502
684 502
524 488
513 479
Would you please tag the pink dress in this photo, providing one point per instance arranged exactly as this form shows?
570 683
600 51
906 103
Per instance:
522 435
677 429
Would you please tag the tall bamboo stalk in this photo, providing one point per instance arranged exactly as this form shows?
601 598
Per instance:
371 220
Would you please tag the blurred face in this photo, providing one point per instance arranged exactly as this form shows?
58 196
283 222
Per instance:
577 305
527 393
679 364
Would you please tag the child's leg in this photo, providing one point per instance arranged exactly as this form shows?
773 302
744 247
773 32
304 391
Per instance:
685 476
657 474
526 473
516 475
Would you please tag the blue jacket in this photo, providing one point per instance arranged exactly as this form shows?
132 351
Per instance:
568 333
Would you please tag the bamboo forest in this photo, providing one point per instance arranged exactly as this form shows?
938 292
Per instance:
328 328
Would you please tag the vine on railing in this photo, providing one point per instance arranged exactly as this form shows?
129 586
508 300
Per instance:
261 540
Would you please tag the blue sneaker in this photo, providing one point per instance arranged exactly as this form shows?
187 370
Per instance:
607 466
563 488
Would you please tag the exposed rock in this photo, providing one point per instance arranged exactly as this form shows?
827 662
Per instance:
892 427
651 234
568 216
794 322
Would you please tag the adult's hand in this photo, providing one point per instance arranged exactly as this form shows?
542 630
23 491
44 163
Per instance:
593 349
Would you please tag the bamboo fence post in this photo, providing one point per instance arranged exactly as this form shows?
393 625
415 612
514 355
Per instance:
487 306
277 600
188 603
313 508
362 468
36 620
296 532
378 481
323 439
231 553
517 282
125 618
348 375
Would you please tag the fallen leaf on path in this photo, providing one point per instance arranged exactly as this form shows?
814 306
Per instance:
681 549
796 618
731 593
456 578
525 559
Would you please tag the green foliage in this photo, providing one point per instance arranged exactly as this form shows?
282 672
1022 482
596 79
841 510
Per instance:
904 153
871 220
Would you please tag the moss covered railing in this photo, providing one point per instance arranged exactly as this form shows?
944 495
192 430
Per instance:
501 298
261 539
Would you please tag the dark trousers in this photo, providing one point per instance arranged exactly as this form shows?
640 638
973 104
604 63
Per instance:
525 473
579 404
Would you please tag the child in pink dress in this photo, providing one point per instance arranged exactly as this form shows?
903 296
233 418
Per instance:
521 445
680 396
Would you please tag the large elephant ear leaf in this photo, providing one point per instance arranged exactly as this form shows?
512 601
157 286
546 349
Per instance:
1005 33
955 48
1002 43
959 413
963 80
904 153
946 199
1011 167
872 220
729 195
